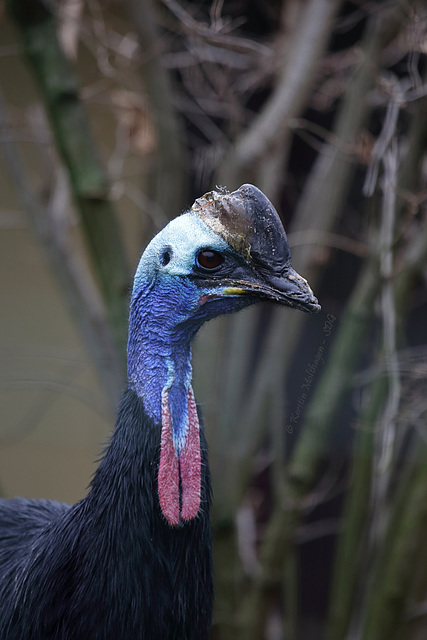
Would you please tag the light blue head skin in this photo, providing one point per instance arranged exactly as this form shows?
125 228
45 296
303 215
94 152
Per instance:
167 309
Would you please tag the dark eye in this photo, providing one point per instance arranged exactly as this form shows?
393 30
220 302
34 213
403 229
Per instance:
208 259
165 258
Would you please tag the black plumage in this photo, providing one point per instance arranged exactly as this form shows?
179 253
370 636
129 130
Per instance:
115 570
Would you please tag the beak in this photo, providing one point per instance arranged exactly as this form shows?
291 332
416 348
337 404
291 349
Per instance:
289 289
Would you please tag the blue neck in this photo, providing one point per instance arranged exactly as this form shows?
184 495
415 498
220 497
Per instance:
159 351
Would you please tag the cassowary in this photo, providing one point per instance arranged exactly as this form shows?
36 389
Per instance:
133 559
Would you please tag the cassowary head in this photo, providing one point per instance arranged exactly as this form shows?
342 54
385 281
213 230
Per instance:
227 252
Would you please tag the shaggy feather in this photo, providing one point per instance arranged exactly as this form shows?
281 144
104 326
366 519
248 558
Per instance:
108 567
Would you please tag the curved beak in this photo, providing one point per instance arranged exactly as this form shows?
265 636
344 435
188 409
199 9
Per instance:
288 288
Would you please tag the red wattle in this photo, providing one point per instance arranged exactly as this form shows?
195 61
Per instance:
168 478
183 472
190 464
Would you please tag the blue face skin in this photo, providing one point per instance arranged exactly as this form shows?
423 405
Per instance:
167 309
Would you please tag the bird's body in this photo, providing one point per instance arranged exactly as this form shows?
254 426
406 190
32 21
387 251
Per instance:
133 559
110 556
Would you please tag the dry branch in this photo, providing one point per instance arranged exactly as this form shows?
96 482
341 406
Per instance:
171 172
328 182
351 552
81 299
73 139
269 129
324 194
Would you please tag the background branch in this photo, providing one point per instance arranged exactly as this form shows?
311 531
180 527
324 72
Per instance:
88 180
243 162
78 293
171 177
308 100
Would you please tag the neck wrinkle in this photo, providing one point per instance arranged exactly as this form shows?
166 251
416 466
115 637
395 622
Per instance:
166 363
162 325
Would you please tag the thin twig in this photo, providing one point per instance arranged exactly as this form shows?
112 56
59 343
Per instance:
192 26
387 303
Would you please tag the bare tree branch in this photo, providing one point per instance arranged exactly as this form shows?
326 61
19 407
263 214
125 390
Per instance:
171 176
270 127
214 35
80 297
387 431
74 141
354 555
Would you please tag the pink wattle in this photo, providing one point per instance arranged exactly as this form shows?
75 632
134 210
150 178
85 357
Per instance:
184 469
168 478
190 463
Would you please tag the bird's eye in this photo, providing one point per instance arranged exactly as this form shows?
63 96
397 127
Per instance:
165 258
209 259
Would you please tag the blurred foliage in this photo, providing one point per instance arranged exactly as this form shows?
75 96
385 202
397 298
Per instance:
316 426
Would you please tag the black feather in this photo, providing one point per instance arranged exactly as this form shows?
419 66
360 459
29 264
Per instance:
109 567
